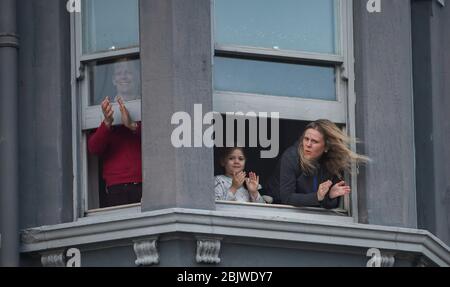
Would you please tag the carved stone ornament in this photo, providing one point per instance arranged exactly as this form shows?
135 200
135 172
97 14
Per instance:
146 251
208 250
54 258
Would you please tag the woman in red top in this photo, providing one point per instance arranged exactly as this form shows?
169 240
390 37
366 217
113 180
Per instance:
119 146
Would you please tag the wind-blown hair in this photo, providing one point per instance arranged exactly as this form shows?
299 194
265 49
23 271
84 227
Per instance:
338 157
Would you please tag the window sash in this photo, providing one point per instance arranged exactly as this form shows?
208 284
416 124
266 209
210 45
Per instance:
337 31
87 117
110 54
341 111
289 108
90 13
305 109
264 53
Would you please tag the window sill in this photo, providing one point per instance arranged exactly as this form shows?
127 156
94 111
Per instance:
273 210
284 211
114 210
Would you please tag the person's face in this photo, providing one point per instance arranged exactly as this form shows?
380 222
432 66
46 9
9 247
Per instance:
313 144
124 80
234 162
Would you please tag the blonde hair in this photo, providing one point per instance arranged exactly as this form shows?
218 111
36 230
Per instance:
338 157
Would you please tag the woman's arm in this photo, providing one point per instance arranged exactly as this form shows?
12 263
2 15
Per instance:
289 171
337 190
329 203
99 140
138 129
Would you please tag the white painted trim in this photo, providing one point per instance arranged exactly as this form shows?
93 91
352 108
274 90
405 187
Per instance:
279 54
110 54
288 107
93 115
77 37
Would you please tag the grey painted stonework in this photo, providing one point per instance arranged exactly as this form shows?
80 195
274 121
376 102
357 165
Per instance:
431 85
45 129
9 137
146 251
384 114
176 74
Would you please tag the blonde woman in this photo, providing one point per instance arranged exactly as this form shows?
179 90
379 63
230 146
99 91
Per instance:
310 173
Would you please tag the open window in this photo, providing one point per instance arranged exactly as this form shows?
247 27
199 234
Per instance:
105 61
291 57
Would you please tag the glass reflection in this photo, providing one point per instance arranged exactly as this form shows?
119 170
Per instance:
113 79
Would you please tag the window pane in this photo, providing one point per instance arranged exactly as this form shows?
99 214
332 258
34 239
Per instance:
278 79
115 78
301 25
109 25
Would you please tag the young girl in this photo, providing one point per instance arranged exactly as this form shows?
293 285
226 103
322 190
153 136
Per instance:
234 185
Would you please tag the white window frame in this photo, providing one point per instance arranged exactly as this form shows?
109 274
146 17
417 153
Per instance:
85 117
341 111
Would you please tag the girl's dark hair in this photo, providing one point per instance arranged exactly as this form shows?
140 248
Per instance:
225 152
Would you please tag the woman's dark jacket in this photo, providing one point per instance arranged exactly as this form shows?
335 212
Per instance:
290 185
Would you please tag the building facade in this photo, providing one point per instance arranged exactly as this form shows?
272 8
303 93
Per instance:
379 69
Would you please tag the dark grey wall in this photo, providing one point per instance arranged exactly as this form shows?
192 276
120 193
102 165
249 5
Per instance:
431 43
9 179
45 161
176 74
423 114
384 113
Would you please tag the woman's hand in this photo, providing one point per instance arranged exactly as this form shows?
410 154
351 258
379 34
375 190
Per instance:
126 118
339 189
238 181
108 112
323 189
252 184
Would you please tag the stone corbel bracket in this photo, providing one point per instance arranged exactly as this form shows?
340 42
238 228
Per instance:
146 251
55 258
208 250
422 261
